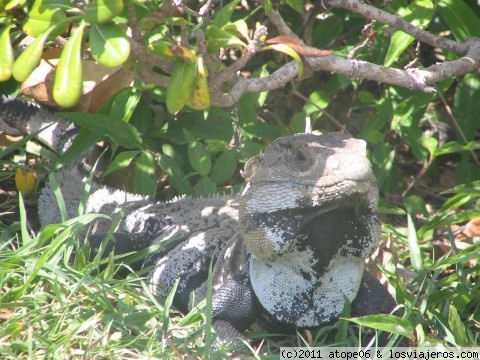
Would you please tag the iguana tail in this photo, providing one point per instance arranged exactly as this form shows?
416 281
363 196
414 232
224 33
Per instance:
18 117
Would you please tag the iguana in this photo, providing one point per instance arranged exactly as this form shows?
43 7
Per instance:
287 251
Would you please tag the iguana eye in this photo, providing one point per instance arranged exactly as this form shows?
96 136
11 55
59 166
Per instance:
300 155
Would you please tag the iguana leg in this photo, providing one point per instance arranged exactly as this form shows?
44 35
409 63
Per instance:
234 309
372 298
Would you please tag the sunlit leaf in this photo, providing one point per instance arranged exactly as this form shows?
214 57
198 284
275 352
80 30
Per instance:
223 16
290 52
240 27
461 19
175 20
385 322
120 132
467 106
199 99
101 11
41 18
180 88
176 176
199 158
418 13
415 253
145 180
121 161
109 44
217 38
171 50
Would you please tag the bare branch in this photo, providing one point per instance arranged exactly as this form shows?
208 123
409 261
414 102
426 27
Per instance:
411 78
396 22
242 85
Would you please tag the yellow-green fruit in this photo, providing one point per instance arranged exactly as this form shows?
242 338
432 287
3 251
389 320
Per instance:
6 54
25 181
29 59
68 84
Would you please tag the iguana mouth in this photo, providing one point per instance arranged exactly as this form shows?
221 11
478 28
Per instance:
269 235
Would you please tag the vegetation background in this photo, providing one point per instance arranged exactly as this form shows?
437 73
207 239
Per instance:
182 94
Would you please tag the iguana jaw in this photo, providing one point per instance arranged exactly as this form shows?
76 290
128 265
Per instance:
270 234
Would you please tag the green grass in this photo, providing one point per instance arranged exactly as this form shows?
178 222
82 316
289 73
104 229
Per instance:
54 303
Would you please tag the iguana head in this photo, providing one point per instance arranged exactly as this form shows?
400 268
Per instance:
299 180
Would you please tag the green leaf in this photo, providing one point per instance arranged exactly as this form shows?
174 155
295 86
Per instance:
218 38
240 27
199 98
290 52
268 6
121 161
415 253
327 30
29 59
182 80
461 19
109 45
457 327
456 147
120 132
419 14
429 143
296 5
319 100
175 20
224 167
6 54
205 186
145 180
199 158
101 11
41 18
124 104
223 16
467 106
392 324
176 177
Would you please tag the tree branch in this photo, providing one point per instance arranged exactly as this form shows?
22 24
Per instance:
413 78
396 22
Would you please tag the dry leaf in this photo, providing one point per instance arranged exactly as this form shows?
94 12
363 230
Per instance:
99 85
